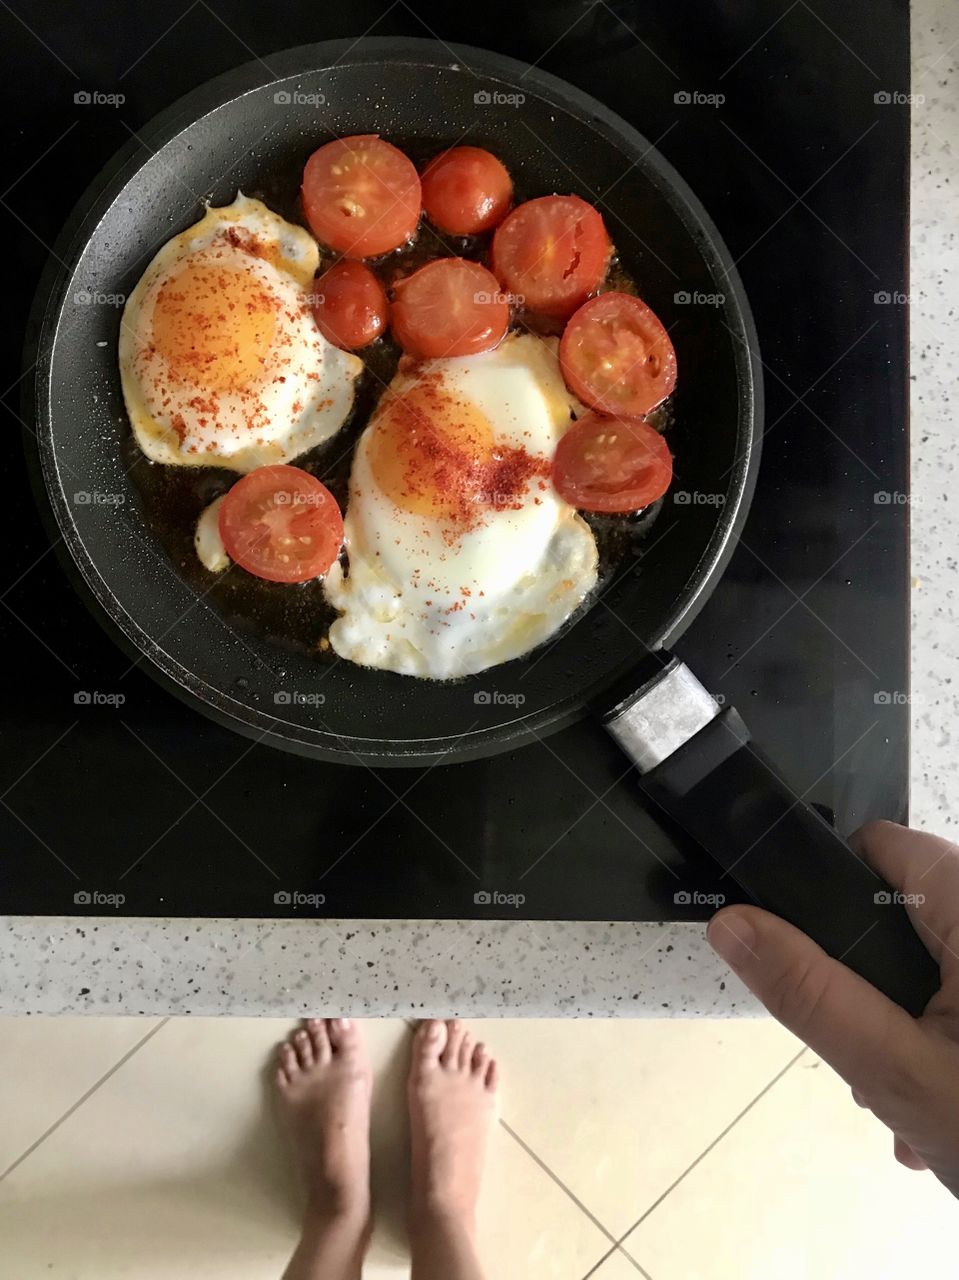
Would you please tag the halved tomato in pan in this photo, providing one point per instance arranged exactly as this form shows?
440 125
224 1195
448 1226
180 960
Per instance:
551 253
611 464
282 524
617 357
361 196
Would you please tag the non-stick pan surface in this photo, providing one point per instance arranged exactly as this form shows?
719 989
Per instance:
230 134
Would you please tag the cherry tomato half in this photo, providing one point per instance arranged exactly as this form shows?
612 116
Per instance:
282 524
617 357
361 196
466 190
611 464
552 253
349 305
450 307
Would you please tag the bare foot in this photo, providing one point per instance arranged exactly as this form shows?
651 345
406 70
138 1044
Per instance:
452 1089
324 1084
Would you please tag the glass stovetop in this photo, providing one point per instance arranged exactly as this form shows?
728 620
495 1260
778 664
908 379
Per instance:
805 174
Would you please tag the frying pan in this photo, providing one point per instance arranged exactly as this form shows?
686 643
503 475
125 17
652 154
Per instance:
693 759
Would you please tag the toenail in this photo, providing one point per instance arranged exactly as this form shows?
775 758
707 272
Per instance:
343 1023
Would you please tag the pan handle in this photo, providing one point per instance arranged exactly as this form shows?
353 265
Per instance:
723 791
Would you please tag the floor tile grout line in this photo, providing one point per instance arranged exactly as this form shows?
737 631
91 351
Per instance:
715 1143
605 1258
559 1182
80 1101
594 1270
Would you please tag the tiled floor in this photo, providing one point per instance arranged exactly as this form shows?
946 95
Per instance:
671 1149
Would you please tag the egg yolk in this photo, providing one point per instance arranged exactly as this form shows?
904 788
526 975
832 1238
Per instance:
435 454
215 326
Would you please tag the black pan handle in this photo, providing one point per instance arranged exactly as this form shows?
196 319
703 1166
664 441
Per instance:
719 786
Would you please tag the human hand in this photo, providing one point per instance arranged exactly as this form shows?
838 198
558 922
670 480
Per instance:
904 1069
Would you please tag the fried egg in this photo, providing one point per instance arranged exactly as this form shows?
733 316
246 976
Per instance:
460 554
221 361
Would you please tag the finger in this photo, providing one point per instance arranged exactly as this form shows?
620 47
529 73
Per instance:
874 1045
925 870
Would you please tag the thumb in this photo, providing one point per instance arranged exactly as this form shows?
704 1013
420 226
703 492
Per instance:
875 1046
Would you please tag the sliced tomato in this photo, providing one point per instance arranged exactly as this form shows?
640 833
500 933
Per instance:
466 190
282 524
361 196
551 253
349 305
611 464
450 307
617 357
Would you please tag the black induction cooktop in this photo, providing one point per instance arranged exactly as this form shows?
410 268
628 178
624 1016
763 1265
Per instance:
790 121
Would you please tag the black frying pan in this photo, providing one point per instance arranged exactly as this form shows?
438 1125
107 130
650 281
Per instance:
696 761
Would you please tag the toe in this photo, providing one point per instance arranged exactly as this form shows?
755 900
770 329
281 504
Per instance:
454 1038
304 1049
344 1035
429 1043
906 1156
492 1076
288 1063
479 1059
316 1029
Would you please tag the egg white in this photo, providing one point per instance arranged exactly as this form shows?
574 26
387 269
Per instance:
207 541
415 602
306 390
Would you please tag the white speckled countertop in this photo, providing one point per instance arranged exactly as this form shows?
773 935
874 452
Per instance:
63 965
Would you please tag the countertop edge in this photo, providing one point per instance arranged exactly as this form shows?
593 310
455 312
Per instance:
363 968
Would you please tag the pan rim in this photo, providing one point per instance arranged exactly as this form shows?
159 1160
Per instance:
46 315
